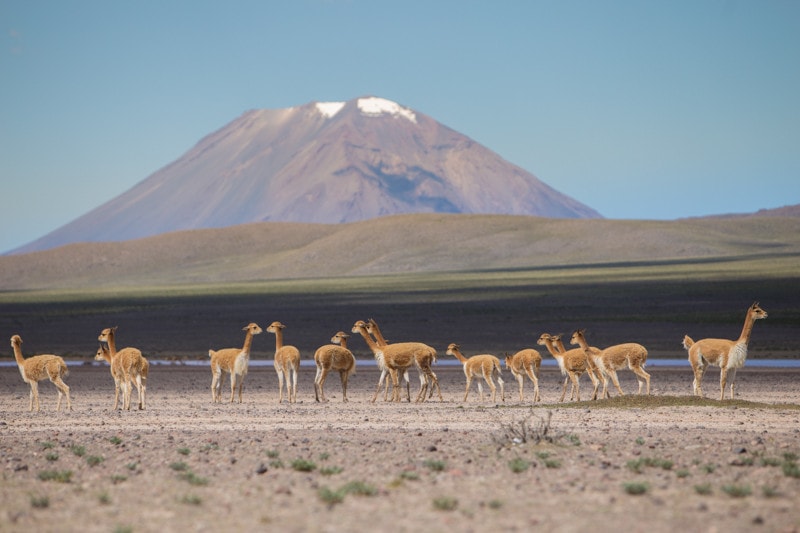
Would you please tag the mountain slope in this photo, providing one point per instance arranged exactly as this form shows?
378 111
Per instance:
396 244
322 163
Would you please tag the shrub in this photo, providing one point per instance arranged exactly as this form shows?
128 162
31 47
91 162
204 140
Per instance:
78 450
191 499
194 479
179 466
736 491
115 440
62 476
331 497
435 465
184 451
51 456
40 502
359 488
635 488
445 503
330 470
411 475
94 460
518 465
790 469
303 465
709 468
704 489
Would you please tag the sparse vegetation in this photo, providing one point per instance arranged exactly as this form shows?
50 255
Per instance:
736 491
329 496
78 450
191 499
703 488
184 451
445 503
791 469
360 488
330 470
61 476
709 468
118 478
303 465
94 460
435 465
635 488
638 465
51 456
115 440
194 479
40 502
531 429
518 465
410 475
179 466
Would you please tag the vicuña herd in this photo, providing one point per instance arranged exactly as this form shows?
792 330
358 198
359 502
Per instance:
129 368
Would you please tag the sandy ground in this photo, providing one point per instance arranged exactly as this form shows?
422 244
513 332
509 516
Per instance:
185 464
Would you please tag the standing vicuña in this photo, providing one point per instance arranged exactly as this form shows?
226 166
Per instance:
617 357
424 357
523 362
485 365
130 365
375 331
234 361
573 363
287 363
103 354
396 361
334 356
36 368
724 353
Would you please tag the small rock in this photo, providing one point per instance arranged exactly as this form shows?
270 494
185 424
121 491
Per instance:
432 448
262 469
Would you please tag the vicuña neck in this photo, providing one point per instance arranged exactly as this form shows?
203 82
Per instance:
459 355
747 330
18 354
112 344
248 341
368 340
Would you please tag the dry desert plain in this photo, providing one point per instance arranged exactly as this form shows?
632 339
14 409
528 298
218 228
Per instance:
664 463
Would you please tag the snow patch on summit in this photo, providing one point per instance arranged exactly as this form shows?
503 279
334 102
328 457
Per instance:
329 109
378 106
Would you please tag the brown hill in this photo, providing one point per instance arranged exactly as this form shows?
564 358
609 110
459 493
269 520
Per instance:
396 244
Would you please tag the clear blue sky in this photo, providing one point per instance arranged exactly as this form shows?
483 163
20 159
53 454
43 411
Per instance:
642 109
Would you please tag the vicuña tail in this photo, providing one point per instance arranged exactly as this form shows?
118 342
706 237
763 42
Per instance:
687 342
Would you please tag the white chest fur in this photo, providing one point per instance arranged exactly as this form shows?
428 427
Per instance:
737 356
240 366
